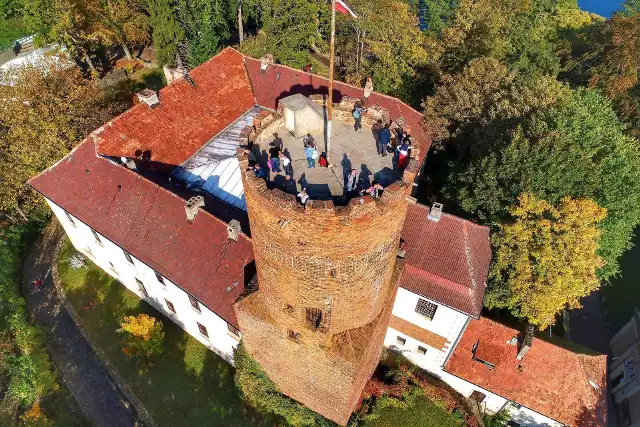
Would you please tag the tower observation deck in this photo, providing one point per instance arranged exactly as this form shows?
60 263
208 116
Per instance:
327 272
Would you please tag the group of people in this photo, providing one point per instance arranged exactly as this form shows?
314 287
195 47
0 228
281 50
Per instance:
352 186
401 147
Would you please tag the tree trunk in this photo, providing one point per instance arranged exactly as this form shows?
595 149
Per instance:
22 214
240 25
90 63
357 50
126 51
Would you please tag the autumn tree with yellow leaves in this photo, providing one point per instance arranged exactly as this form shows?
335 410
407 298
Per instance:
143 336
546 258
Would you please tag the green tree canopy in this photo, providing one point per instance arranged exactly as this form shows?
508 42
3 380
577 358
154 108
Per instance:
576 147
166 32
206 26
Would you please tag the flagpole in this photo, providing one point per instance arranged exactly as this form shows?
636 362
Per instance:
330 98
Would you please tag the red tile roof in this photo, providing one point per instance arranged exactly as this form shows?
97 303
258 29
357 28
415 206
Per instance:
447 261
187 116
279 81
550 379
150 223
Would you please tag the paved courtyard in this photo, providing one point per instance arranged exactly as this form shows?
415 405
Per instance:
350 149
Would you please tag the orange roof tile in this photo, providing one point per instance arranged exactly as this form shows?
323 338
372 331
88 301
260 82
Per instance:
187 116
551 380
447 261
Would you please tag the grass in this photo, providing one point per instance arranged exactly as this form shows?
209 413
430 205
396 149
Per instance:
423 413
10 30
188 386
152 78
622 296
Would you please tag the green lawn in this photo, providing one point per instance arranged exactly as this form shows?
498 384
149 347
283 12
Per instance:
11 30
188 386
423 413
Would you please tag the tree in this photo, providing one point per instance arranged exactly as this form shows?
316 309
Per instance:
483 93
436 14
44 115
206 26
575 147
128 22
143 336
290 29
166 32
79 25
261 393
385 43
546 260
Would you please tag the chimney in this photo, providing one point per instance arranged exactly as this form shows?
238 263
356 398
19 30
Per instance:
527 342
435 212
192 206
172 74
149 97
265 62
368 88
233 230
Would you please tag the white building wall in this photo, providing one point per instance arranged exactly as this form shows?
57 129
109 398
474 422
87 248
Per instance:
446 322
110 258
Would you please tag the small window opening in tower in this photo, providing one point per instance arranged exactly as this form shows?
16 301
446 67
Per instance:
289 309
293 335
314 318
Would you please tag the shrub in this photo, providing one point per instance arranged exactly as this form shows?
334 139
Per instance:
261 393
143 336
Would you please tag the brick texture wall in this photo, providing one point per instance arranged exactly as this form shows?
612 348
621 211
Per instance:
327 278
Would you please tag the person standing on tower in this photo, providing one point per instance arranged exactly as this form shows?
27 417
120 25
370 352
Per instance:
357 115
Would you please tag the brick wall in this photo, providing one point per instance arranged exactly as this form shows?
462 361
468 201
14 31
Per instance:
327 278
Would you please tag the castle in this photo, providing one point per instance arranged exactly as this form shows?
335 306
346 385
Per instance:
162 199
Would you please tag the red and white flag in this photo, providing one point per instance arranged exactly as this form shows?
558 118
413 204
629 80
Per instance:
342 7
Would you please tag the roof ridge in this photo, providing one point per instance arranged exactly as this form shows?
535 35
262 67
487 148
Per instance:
468 256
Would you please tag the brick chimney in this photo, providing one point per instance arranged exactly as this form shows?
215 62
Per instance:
435 212
265 62
233 230
149 97
527 342
192 206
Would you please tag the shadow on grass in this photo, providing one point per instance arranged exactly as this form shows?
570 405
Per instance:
188 385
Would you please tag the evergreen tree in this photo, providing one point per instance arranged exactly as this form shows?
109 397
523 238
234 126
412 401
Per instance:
206 26
166 32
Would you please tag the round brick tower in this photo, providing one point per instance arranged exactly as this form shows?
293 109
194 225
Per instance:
327 278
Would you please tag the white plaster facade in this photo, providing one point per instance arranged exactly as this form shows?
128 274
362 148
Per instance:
111 258
450 324
446 322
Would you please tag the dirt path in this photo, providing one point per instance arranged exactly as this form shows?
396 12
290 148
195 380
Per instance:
86 376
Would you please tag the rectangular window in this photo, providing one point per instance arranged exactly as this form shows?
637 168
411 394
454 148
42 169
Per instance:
314 317
70 218
143 290
293 335
96 236
127 255
159 277
426 308
477 396
400 340
170 306
233 329
203 330
194 303
422 350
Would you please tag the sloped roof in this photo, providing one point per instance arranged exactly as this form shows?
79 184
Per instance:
550 379
187 117
447 261
150 223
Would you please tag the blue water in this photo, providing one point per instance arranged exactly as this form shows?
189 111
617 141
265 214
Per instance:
601 7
